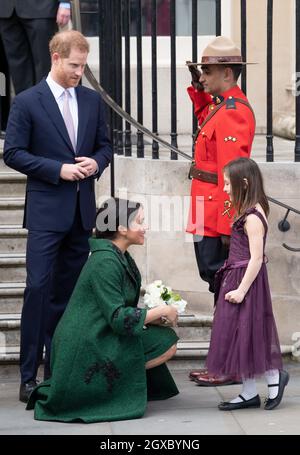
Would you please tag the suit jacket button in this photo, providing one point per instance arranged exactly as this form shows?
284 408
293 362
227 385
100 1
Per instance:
210 198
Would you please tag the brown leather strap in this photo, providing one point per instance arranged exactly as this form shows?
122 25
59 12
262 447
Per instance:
203 176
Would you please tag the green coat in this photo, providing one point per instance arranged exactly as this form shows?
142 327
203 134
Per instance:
100 347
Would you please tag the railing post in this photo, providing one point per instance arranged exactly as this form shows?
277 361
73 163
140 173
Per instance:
270 148
297 97
118 75
105 70
112 10
127 76
174 155
194 51
140 136
155 148
244 44
218 18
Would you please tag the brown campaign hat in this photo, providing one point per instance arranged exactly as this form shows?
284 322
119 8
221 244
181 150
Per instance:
221 51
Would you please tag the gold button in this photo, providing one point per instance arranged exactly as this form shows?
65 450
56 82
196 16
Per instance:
234 139
230 97
229 138
210 198
226 139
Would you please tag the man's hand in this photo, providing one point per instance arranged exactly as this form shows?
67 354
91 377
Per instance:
73 172
63 16
196 74
88 164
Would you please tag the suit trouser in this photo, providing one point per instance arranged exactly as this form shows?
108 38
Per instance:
53 262
26 44
210 255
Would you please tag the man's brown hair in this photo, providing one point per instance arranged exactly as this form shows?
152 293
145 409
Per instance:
63 42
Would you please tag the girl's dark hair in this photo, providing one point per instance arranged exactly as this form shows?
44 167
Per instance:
114 212
245 195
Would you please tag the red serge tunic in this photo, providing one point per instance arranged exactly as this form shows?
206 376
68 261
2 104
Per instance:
226 136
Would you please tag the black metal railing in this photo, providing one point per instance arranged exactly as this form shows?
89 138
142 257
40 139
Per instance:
136 18
283 224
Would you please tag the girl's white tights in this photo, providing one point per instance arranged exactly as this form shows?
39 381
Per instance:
249 390
272 377
249 387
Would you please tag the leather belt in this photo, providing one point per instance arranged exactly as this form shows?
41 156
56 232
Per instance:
203 176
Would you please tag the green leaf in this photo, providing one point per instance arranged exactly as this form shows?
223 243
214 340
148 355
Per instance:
165 295
176 297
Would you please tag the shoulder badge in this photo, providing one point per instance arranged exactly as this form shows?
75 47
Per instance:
230 103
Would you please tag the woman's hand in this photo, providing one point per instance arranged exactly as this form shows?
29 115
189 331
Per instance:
236 296
172 315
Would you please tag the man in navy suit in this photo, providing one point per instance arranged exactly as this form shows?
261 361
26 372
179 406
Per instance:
56 135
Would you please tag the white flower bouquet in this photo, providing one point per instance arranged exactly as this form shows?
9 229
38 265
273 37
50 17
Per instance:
159 294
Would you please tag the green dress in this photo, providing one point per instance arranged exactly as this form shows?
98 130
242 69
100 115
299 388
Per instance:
100 347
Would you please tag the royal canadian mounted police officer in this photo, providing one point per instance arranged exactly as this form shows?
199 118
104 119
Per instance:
226 131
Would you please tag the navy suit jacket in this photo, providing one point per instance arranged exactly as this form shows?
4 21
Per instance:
37 144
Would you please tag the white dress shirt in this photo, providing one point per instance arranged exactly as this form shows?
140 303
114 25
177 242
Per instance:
58 93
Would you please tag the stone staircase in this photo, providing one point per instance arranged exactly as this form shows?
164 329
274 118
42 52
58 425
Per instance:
12 264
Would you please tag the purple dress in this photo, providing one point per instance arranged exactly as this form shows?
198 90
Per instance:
244 340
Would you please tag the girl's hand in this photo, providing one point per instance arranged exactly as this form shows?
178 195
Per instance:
236 296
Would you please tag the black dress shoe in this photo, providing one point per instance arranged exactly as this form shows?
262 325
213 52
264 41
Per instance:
252 403
272 403
25 390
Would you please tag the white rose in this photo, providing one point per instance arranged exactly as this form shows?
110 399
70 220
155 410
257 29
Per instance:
179 305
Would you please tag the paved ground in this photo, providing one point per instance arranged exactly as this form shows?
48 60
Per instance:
193 412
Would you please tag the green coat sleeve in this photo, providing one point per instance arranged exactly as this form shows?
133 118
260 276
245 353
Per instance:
108 287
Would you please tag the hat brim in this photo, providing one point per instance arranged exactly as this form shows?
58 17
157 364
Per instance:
221 63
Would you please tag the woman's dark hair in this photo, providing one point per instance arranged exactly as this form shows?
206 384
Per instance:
114 212
245 194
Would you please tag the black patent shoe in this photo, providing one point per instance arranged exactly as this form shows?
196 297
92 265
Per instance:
272 403
25 390
252 403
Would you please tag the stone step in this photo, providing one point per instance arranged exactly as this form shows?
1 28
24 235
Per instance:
9 330
189 328
3 167
12 239
11 210
11 298
193 327
12 184
12 267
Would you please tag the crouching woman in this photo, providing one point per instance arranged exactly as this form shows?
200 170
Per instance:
108 356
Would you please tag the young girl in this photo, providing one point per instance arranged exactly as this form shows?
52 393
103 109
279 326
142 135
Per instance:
244 339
